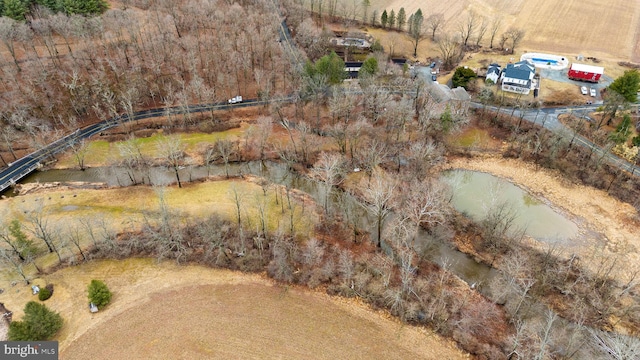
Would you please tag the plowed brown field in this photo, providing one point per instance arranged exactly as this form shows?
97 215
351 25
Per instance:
599 28
165 311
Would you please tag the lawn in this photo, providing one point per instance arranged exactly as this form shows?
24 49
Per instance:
102 152
125 209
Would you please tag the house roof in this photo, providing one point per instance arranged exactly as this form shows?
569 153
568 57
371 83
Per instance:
522 70
493 70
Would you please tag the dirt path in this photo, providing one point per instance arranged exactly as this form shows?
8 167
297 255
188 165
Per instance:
617 221
193 312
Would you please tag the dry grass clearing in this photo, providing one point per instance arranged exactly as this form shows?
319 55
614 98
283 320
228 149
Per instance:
102 152
191 312
125 208
598 28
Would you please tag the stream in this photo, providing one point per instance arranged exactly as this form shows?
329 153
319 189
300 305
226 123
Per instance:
441 252
467 187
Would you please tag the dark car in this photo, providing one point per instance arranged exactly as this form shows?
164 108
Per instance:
433 77
433 64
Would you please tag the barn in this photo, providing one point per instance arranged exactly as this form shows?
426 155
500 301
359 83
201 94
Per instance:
584 72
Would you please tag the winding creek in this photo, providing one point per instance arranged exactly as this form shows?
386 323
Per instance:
472 191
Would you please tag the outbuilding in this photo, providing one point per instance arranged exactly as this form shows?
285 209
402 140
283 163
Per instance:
583 72
493 73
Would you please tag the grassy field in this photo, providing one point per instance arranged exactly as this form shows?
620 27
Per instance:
602 29
102 152
125 208
192 312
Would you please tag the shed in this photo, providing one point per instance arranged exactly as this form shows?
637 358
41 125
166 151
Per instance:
493 73
585 72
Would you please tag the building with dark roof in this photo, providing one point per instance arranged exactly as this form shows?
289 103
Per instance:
518 77
493 73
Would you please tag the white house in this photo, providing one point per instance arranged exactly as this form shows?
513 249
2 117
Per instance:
493 73
518 77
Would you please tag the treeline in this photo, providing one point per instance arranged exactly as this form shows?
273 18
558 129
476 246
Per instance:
22 9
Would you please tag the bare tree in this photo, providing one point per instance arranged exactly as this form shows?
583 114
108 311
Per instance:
515 35
616 346
426 204
224 149
378 199
12 32
422 156
330 171
171 150
9 258
434 23
376 154
493 29
80 148
38 225
264 128
482 30
450 50
164 228
75 236
132 158
468 27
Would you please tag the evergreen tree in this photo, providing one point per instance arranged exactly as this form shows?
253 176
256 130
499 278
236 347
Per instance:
23 245
402 19
15 9
369 67
39 323
99 293
462 76
53 5
85 7
384 18
416 30
332 67
392 19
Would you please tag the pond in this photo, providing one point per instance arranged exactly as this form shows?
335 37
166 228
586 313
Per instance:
476 194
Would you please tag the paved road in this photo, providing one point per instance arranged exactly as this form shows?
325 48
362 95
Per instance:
548 118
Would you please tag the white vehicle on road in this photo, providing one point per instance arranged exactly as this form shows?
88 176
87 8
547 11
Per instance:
235 100
583 90
593 92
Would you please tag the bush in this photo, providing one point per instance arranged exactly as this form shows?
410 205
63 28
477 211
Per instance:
99 293
44 294
462 76
39 323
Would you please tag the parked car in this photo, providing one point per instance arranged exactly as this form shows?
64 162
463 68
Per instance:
583 90
235 100
432 65
434 77
593 92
